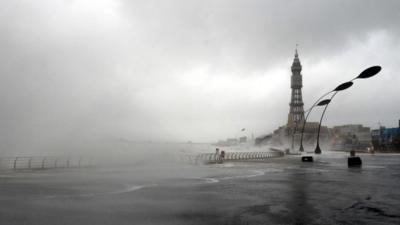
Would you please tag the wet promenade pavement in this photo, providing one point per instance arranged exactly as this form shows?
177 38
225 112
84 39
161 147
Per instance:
278 191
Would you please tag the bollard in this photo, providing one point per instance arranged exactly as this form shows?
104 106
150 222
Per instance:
353 160
307 159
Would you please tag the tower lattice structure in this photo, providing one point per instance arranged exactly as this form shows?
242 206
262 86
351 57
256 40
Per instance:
296 113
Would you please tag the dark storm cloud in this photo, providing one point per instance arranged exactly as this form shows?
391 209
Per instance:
256 34
177 70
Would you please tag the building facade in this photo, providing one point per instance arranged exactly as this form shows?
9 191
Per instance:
386 139
351 137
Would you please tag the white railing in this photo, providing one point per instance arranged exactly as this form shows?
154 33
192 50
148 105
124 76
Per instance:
230 156
42 162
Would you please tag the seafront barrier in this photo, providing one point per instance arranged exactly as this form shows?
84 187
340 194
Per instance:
207 158
42 162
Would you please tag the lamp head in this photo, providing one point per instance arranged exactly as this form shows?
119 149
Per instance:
343 86
369 72
324 102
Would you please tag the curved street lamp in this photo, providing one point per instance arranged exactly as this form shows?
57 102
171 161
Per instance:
367 73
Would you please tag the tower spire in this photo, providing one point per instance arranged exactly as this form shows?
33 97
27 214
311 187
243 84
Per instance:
296 113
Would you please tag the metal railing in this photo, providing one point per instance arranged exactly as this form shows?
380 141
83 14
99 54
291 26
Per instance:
42 162
231 156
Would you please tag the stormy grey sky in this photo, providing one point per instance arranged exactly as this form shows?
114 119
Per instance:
179 70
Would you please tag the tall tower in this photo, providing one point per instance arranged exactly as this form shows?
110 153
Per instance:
296 113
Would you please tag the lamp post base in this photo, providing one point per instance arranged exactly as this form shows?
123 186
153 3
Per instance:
317 150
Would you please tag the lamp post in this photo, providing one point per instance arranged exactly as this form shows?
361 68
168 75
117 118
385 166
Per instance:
295 130
293 133
367 73
326 102
301 149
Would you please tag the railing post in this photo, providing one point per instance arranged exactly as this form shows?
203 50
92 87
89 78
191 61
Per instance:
43 162
30 162
15 163
55 163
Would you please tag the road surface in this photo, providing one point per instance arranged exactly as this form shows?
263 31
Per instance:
278 191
